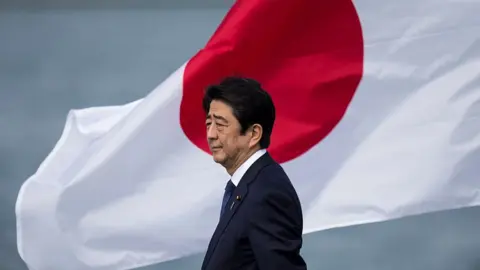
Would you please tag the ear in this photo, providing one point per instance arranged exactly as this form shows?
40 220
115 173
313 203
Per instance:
256 132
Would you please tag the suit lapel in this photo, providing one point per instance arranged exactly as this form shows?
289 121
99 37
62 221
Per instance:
235 201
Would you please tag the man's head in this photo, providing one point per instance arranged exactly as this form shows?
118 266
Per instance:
240 118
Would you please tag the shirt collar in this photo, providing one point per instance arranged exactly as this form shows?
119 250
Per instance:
238 174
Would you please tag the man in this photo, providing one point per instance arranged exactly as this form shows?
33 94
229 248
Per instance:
260 224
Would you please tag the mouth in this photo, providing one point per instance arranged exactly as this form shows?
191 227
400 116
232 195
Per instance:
215 148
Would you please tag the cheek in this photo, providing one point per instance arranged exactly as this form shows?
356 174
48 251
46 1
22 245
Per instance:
229 142
225 140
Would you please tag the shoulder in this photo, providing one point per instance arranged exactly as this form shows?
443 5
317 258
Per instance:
272 183
273 177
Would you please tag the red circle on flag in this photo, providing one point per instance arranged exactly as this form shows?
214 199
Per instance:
307 54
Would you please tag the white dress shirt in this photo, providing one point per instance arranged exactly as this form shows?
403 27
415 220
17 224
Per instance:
238 174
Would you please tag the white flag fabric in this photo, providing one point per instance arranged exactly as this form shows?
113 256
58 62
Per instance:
378 108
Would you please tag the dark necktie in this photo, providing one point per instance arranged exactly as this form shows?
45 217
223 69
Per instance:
226 196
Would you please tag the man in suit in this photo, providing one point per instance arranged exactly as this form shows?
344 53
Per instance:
260 224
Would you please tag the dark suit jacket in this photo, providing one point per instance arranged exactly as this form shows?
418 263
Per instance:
262 225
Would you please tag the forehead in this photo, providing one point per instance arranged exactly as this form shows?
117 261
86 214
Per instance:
220 108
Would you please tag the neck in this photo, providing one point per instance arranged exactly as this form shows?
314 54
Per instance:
241 158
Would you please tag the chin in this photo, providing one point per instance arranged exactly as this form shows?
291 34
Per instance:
218 158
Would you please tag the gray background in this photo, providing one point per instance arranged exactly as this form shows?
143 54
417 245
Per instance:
62 54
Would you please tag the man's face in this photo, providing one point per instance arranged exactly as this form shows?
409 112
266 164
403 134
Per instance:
223 134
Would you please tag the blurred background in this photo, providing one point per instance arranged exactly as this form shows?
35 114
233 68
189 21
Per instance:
59 55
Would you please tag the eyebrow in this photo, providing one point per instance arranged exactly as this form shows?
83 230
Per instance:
218 117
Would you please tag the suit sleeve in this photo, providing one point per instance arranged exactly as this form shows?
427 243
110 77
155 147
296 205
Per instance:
276 233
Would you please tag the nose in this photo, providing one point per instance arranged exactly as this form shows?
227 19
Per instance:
212 132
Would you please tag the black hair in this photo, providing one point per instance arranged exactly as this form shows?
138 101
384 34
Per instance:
249 102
